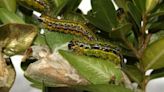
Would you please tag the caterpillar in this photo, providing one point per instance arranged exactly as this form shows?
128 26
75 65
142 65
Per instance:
96 49
67 26
38 5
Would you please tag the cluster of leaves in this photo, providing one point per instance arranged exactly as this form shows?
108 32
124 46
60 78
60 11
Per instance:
136 27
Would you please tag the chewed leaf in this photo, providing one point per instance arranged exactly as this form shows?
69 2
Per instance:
97 71
16 38
154 55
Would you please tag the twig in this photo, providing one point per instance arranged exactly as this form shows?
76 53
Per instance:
145 43
142 31
130 45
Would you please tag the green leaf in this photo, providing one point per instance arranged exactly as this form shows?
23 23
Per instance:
157 73
121 31
104 88
151 4
158 13
72 5
90 88
59 5
74 17
154 55
157 26
133 72
134 13
121 4
9 17
40 40
56 39
103 15
10 5
35 82
99 22
156 36
97 71
106 8
140 4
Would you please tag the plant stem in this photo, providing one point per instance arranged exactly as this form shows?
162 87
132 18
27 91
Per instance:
145 43
144 38
130 45
142 31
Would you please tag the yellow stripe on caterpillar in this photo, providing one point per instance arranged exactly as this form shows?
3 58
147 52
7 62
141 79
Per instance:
97 49
68 27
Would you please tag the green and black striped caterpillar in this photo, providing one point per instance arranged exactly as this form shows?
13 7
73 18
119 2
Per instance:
88 47
97 49
37 5
67 26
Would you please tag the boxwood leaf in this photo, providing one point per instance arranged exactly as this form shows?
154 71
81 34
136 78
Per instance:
104 88
157 73
17 37
10 5
133 72
56 39
156 36
98 21
156 26
154 55
73 16
40 40
9 17
58 5
140 4
151 4
159 11
103 14
72 5
121 31
89 88
134 13
121 4
95 70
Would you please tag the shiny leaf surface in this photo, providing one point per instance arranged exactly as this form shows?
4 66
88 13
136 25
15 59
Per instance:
17 37
56 39
97 71
154 55
134 13
103 15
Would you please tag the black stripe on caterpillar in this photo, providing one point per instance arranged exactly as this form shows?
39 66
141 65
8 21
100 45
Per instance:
97 49
67 26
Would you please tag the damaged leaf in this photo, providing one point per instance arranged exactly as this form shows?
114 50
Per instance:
16 37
